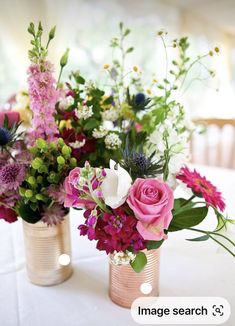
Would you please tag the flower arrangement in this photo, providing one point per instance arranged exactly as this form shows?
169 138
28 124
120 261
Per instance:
127 214
130 206
35 161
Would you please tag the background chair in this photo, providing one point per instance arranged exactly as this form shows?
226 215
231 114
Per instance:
215 145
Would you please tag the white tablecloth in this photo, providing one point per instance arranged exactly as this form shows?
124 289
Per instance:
187 269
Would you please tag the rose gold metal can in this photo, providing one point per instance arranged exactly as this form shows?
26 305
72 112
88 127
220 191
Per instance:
125 283
44 246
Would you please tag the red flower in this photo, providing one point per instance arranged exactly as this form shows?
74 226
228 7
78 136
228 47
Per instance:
72 139
8 214
114 231
201 187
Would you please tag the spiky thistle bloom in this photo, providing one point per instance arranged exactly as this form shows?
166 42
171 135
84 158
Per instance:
201 187
11 176
43 97
5 136
53 215
140 165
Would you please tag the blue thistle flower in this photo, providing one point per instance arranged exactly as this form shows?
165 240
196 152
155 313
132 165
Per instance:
5 136
140 99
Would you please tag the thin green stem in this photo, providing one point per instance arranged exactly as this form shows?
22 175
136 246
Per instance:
187 201
214 233
222 245
61 69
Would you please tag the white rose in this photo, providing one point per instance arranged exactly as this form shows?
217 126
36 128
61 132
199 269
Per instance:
116 185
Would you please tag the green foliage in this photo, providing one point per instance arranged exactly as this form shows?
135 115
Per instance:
28 214
50 165
185 215
154 244
139 263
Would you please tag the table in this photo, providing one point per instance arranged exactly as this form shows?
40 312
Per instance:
187 269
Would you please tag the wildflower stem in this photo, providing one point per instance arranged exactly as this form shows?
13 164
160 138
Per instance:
58 81
189 200
209 233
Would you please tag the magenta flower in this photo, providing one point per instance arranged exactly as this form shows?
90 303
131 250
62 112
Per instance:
114 231
201 187
43 98
8 214
11 176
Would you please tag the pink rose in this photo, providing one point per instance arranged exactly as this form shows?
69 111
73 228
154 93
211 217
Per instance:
13 117
74 197
151 201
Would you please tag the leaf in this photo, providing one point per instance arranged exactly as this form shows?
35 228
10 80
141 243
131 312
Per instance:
187 218
91 124
131 49
28 214
202 238
80 80
179 205
139 263
154 244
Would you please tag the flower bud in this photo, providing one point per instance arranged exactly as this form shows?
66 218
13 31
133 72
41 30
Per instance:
66 150
41 144
31 180
73 162
28 193
60 160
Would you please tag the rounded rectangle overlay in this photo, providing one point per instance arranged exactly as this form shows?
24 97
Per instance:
180 310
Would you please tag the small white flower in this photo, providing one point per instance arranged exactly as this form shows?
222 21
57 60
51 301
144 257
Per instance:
116 185
112 141
100 132
122 258
83 112
111 114
66 102
78 144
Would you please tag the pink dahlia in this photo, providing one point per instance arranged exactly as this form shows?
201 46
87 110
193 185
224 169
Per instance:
11 176
201 187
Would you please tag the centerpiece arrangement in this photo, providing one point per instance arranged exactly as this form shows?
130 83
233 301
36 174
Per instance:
118 152
130 207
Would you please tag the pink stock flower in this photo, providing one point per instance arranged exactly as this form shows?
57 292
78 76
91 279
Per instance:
13 118
151 201
43 97
77 189
201 187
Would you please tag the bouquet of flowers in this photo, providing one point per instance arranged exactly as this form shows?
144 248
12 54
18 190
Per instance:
130 207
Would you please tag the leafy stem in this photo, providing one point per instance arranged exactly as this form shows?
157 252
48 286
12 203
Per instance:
210 233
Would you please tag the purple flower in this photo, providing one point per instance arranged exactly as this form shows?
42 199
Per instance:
53 215
11 176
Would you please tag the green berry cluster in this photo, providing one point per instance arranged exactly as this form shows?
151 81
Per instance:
51 163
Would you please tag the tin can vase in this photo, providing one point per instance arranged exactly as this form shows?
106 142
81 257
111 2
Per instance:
125 283
48 252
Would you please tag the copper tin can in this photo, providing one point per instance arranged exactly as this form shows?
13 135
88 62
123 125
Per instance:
125 283
44 246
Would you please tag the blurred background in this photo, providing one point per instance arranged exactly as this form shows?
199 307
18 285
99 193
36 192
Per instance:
86 27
